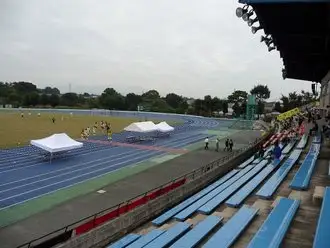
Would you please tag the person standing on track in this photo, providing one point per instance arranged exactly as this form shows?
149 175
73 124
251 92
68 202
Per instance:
206 141
109 132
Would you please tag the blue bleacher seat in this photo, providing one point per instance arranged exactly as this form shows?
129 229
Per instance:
274 228
322 238
246 163
303 142
289 147
239 196
302 178
198 233
227 235
317 139
170 236
185 213
146 239
268 189
125 241
173 211
220 198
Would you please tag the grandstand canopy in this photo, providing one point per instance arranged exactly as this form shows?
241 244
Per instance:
300 30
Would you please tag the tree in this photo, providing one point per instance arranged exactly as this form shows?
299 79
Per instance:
199 107
24 87
69 99
260 108
217 104
44 99
132 101
173 100
111 99
34 99
261 92
225 107
236 109
238 96
54 100
278 107
49 90
151 95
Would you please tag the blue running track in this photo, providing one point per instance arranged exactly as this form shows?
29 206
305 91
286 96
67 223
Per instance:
25 174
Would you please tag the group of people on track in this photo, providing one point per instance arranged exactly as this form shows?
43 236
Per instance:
103 126
229 144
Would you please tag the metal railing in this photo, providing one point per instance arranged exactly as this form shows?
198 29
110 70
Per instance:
188 176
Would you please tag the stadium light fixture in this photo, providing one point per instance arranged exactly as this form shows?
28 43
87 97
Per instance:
271 48
265 38
250 22
284 74
247 15
255 29
241 11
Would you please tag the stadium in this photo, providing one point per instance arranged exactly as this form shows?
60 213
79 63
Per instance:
154 187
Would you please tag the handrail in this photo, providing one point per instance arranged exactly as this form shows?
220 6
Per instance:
189 175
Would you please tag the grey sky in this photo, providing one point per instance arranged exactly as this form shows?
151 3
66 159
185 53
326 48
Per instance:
190 47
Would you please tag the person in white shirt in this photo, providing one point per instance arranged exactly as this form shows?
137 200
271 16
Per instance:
206 143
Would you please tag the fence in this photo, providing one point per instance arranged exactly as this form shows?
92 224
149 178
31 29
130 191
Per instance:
107 214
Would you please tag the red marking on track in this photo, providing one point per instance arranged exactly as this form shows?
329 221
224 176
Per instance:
142 147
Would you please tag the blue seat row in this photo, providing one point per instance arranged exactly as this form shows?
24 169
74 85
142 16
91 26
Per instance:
289 147
317 139
125 241
268 189
170 236
146 239
246 163
303 142
184 214
198 233
216 201
173 211
302 178
322 238
239 196
227 235
274 228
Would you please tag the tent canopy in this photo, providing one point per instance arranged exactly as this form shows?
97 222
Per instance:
57 143
164 127
141 127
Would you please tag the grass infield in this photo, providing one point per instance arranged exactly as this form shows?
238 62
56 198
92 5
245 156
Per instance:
18 131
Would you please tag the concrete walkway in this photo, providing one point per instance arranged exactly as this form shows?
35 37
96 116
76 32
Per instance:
73 210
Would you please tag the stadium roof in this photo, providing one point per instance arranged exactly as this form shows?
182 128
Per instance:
300 32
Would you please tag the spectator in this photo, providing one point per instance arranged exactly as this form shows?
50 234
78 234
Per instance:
314 129
226 145
231 144
206 143
277 152
217 145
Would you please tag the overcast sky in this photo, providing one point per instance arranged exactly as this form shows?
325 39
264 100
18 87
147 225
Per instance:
190 47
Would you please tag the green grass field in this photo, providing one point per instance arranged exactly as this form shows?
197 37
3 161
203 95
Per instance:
18 131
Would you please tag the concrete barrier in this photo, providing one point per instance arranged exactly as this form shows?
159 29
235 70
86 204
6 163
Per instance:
112 230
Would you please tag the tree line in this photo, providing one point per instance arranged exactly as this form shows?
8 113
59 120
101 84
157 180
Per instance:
26 94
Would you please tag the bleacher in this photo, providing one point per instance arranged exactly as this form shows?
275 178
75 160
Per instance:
209 219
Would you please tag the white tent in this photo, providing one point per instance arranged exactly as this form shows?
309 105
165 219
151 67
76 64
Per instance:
164 127
141 127
57 143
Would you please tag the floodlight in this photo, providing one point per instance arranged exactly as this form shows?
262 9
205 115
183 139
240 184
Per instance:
247 15
271 48
241 11
264 38
250 22
255 29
